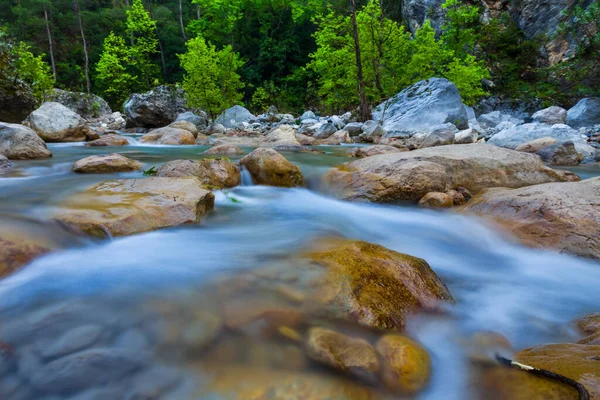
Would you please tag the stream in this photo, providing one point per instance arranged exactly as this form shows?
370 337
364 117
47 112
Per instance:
123 294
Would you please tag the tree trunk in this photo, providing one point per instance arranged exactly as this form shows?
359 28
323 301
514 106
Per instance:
198 11
85 51
364 113
162 59
181 21
50 43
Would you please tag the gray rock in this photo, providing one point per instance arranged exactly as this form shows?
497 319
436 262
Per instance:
308 115
466 136
309 127
5 166
77 339
551 116
54 122
217 128
16 100
563 154
421 108
585 113
155 108
87 105
286 119
325 131
337 122
415 12
242 126
372 129
440 136
233 116
346 117
199 119
354 128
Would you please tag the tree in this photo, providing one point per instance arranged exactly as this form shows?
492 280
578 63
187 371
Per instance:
50 45
114 77
145 44
460 28
364 113
211 80
85 50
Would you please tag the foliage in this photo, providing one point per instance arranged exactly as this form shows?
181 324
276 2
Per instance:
144 44
150 171
211 79
33 71
467 75
461 26
113 73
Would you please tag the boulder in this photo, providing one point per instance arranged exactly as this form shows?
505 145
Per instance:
561 216
586 113
268 167
214 173
127 206
551 116
54 122
186 126
85 104
218 129
513 137
440 136
416 12
309 127
168 135
350 355
361 152
354 128
199 119
422 107
308 115
466 136
405 363
155 108
282 135
436 200
563 154
16 100
336 139
17 250
233 116
106 164
325 131
589 324
110 139
305 140
224 150
18 142
536 145
408 176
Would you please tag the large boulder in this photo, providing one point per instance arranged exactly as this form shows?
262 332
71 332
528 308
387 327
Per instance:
561 216
408 176
18 142
233 116
214 173
127 206
54 122
16 100
268 167
155 108
421 108
168 135
586 113
551 116
85 104
513 137
106 164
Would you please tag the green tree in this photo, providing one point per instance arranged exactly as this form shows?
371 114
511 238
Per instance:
211 79
114 77
461 27
467 74
142 30
33 71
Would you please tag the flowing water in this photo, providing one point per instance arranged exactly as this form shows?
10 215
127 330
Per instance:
124 294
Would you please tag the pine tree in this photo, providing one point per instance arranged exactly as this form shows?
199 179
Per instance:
145 43
113 75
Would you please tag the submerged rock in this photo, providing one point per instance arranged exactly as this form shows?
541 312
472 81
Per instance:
18 142
405 363
128 206
168 135
109 140
106 164
564 216
408 176
268 167
214 173
54 122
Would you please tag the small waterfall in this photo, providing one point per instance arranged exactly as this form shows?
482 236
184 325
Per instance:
246 177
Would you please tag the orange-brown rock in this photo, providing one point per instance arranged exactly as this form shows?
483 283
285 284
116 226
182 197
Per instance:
168 135
109 140
589 323
269 167
106 164
214 173
436 200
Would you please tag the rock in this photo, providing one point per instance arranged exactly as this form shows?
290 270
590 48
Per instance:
336 139
305 140
309 127
74 340
54 122
466 136
374 286
268 167
576 361
408 176
561 154
561 216
87 105
551 116
457 197
589 324
224 150
405 363
106 164
200 119
16 100
354 356
308 115
415 12
18 142
361 152
168 135
186 126
325 131
128 206
494 119
282 135
440 136
95 367
591 339
585 113
436 200
155 108
217 129
513 137
421 108
109 140
214 173
17 250
233 116
5 165
92 135
536 145
354 128
371 130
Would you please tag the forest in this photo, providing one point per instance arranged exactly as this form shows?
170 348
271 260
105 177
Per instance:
296 54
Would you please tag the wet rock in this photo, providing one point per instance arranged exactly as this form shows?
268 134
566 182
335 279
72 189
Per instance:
155 108
421 108
536 145
268 167
561 154
224 150
54 122
591 339
5 164
325 131
585 113
186 126
361 152
16 251
106 164
405 363
457 197
589 324
85 104
561 216
233 116
440 136
168 135
408 176
436 200
128 206
551 116
109 140
466 136
200 119
214 173
75 340
353 356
